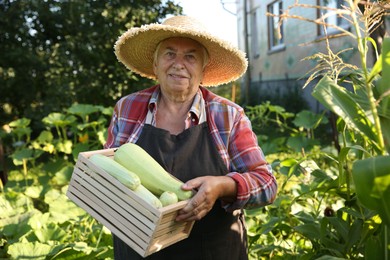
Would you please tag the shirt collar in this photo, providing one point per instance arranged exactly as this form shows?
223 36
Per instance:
197 110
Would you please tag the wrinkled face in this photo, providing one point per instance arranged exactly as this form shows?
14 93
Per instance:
179 65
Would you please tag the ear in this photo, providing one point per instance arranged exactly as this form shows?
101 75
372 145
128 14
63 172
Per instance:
201 78
155 68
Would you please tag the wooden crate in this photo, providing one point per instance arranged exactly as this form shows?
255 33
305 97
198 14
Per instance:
143 227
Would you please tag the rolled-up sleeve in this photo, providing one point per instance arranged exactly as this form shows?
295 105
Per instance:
112 130
256 184
239 149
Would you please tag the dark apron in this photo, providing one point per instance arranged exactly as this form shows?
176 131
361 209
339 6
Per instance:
192 153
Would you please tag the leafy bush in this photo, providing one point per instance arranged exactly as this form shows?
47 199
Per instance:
37 220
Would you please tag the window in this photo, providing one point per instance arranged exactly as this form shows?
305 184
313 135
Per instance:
332 17
275 33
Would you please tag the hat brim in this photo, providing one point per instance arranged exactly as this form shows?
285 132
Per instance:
135 49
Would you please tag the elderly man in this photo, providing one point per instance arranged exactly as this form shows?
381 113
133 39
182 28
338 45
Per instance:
201 138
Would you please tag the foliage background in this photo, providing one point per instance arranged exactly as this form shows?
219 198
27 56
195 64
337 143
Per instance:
55 53
331 202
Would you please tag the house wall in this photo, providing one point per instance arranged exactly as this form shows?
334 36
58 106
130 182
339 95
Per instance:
277 74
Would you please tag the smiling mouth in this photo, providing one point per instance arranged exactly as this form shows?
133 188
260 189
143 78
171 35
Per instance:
177 76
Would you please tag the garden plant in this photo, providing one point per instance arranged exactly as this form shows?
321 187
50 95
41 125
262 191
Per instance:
334 184
333 198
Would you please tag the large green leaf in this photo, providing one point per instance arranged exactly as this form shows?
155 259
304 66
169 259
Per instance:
338 100
372 180
308 119
25 154
50 232
82 251
65 146
373 249
61 208
58 119
20 123
309 230
63 176
30 250
83 109
297 143
340 225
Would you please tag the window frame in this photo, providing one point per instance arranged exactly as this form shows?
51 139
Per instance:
275 43
337 20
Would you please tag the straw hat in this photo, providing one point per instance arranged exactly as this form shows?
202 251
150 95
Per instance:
135 49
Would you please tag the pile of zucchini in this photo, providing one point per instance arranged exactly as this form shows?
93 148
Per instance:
138 171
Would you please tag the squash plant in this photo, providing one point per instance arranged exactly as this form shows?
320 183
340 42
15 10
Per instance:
37 220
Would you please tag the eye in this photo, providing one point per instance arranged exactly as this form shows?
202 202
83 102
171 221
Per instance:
190 57
170 54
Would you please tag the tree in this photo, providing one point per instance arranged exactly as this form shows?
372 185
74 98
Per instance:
57 52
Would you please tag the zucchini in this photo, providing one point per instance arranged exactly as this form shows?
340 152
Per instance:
153 176
149 197
168 198
116 170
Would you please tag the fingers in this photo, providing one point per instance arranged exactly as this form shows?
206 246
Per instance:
196 208
188 212
209 189
195 212
193 184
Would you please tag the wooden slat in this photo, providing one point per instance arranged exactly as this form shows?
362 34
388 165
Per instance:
131 220
168 239
140 225
169 217
88 165
106 152
169 228
95 212
106 179
173 207
105 215
122 199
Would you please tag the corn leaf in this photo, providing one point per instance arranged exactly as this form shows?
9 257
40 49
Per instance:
376 69
372 181
342 103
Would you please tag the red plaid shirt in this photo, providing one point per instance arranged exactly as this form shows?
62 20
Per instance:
230 129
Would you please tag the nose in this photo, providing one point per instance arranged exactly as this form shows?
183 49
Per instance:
178 62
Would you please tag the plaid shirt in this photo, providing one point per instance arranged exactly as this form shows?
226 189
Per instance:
231 132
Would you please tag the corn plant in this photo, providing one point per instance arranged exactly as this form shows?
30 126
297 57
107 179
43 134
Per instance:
333 203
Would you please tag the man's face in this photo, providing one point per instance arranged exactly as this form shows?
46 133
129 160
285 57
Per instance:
179 65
